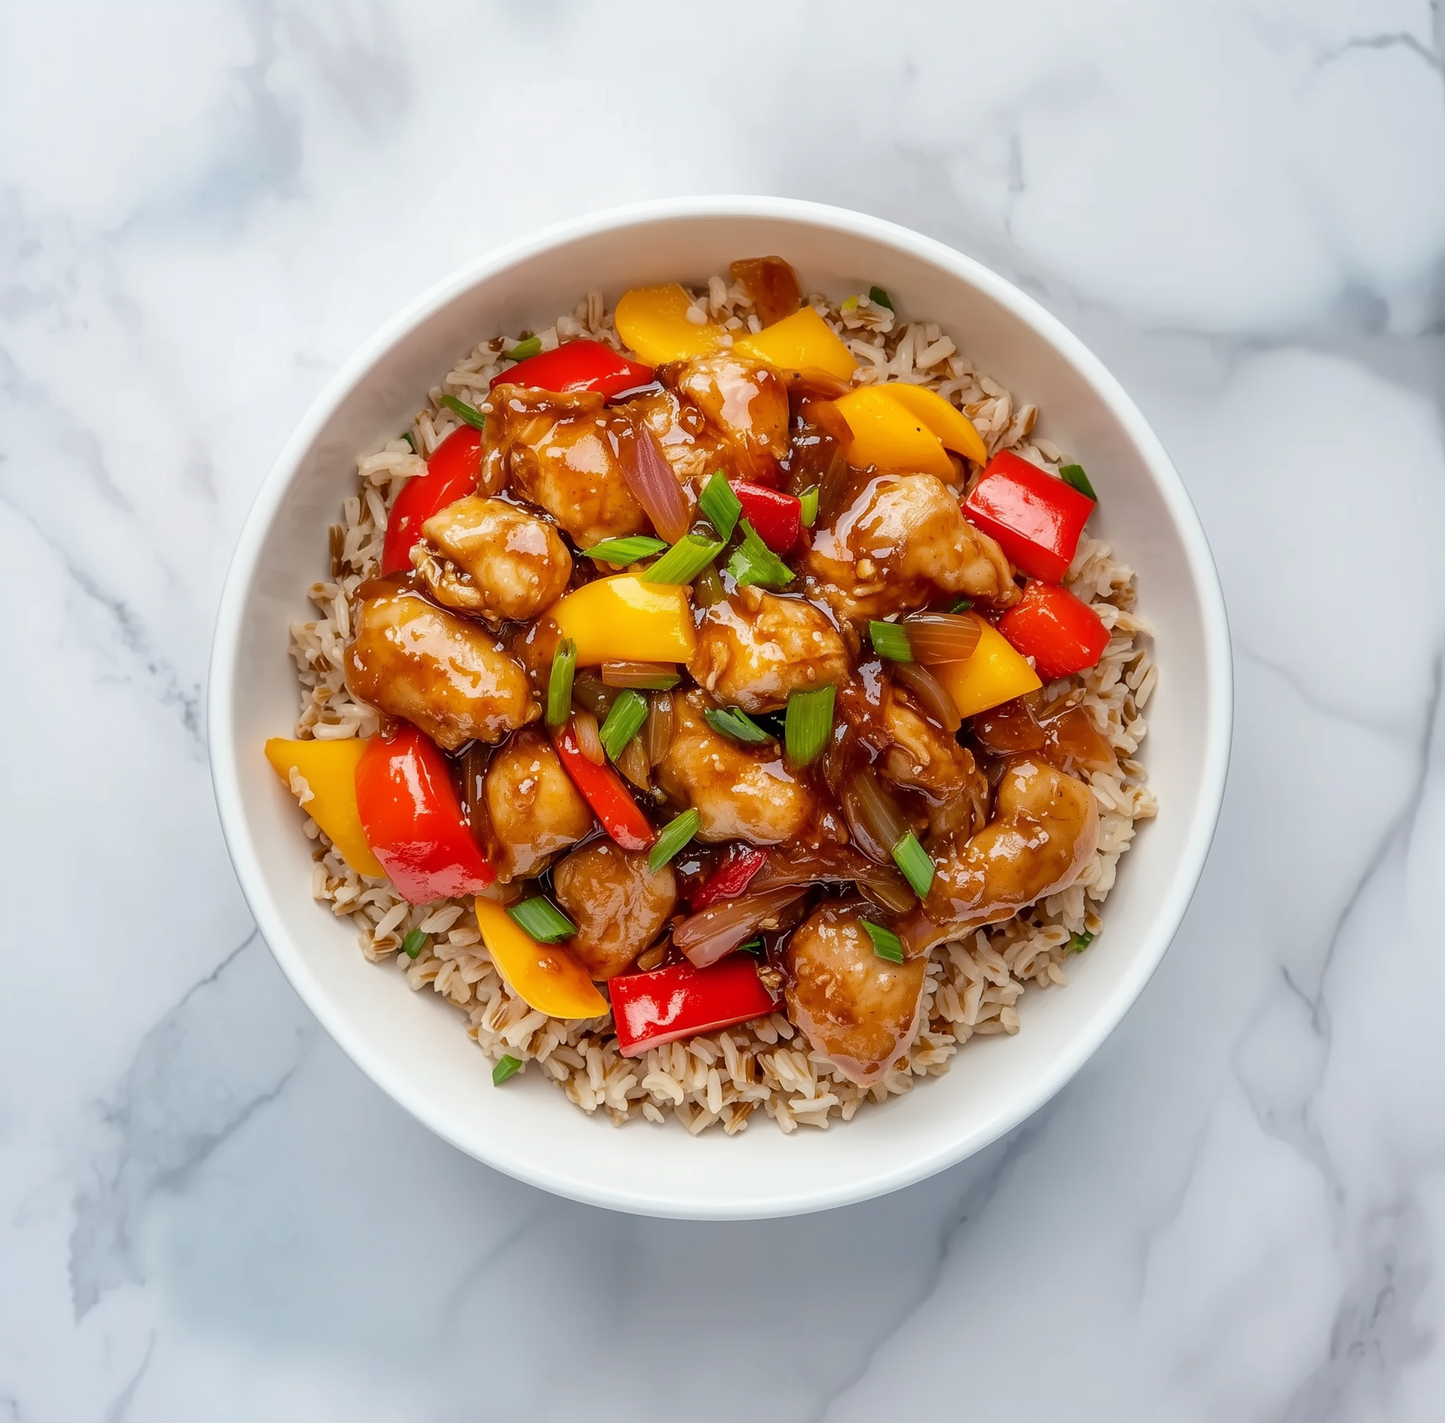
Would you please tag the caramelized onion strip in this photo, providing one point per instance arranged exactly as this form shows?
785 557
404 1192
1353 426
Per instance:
717 930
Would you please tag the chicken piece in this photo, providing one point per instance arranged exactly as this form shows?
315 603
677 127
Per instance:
534 808
690 447
743 401
741 792
860 1010
618 905
497 560
563 452
443 673
922 757
1044 831
900 541
755 648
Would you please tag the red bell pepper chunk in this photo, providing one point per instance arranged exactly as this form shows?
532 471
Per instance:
731 877
413 820
451 474
1053 627
603 789
577 365
1035 518
778 518
680 1001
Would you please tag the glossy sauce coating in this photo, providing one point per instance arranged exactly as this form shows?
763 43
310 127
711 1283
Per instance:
618 905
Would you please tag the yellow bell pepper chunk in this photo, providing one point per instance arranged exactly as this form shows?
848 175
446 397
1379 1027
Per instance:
996 673
802 341
329 770
623 619
890 436
952 426
653 322
544 976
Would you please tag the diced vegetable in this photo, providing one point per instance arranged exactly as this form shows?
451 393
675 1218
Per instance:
888 435
808 503
886 944
623 617
941 637
890 640
708 935
524 349
559 683
469 413
799 342
451 474
329 770
414 822
575 365
771 285
955 431
720 504
544 976
913 860
653 321
731 877
1073 475
672 837
754 562
808 724
707 588
1080 942
996 673
684 560
541 919
623 722
680 1001
778 518
1036 518
414 943
624 551
733 722
604 790
647 676
879 297
1061 634
930 693
507 1067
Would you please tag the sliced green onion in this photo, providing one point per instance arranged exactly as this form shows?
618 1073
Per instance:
962 606
809 500
410 443
753 946
672 837
507 1066
625 551
542 920
1080 942
532 346
808 724
460 407
623 722
1073 475
879 297
886 944
413 944
721 505
890 640
737 724
913 860
754 562
684 560
707 588
559 684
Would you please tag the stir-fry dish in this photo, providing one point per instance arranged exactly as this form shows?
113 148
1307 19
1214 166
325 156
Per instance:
723 702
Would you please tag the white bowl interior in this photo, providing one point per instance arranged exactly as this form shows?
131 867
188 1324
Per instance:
413 1044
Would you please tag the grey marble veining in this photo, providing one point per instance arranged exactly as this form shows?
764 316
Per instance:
1236 1211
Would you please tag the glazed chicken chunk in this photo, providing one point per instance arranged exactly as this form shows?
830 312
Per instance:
443 673
899 541
534 808
744 402
692 449
754 649
618 905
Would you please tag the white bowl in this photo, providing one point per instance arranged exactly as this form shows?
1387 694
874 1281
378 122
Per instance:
413 1045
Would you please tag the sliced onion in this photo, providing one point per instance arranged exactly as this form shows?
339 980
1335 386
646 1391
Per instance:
832 489
707 588
943 637
658 731
873 818
588 690
633 763
705 937
654 485
636 674
931 693
584 728
837 864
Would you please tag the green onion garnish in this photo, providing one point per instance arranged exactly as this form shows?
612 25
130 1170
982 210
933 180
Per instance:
809 500
886 944
808 723
532 346
1080 942
625 551
737 724
507 1066
623 722
1074 476
460 407
913 860
559 684
890 640
413 944
721 505
753 946
410 443
754 562
542 920
684 560
672 837
962 606
879 297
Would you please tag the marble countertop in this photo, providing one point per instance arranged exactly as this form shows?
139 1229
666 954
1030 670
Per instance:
1234 1211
